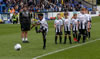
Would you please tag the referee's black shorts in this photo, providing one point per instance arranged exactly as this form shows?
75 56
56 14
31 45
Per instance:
25 26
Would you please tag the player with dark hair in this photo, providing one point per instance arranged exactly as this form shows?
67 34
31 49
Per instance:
25 21
67 28
58 24
43 28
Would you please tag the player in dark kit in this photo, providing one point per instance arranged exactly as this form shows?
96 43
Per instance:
43 28
25 21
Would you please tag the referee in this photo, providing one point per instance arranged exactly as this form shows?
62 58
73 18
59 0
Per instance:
25 21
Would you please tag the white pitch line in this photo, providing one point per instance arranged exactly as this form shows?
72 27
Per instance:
65 49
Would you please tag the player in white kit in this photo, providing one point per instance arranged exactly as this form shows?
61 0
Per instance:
83 21
58 24
75 22
67 28
88 25
43 28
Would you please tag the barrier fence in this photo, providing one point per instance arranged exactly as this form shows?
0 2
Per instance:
6 17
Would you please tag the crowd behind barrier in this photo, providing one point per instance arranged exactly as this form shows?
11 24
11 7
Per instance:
6 18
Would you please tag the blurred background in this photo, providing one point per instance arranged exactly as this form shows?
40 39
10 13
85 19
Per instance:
9 9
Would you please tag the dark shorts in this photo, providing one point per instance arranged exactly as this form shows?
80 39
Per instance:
58 33
25 26
67 32
75 31
82 31
43 30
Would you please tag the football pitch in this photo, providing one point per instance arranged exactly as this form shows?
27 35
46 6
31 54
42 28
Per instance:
10 35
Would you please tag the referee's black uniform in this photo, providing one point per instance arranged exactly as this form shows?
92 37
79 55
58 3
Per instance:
25 20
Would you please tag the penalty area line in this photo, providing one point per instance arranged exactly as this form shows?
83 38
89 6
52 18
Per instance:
65 49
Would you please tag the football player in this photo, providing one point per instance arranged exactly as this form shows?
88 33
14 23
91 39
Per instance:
83 21
75 27
43 28
58 24
67 28
89 24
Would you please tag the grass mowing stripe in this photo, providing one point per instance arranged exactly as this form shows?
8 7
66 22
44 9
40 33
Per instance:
65 49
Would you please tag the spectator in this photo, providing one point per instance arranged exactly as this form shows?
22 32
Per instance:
39 5
12 10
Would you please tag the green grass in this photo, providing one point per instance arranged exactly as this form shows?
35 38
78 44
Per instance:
10 35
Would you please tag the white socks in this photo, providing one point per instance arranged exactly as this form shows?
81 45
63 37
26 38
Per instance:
24 39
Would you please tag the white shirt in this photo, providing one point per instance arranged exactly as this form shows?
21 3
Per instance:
83 20
67 24
75 24
58 24
89 19
44 24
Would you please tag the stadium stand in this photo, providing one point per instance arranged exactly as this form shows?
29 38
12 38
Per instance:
40 5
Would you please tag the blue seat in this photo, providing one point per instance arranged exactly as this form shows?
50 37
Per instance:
72 5
90 9
0 9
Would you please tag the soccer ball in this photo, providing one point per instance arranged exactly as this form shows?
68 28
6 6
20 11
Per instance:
17 47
